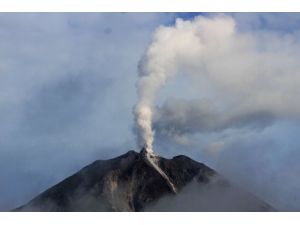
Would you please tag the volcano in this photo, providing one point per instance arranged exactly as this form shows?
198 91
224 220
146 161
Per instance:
130 183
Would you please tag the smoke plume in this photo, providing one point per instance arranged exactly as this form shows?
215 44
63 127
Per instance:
242 79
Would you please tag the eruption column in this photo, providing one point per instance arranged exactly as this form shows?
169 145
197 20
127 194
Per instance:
172 48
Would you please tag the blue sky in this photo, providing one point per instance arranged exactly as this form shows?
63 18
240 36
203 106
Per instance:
67 89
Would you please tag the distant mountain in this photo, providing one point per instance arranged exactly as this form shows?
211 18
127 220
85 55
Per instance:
129 183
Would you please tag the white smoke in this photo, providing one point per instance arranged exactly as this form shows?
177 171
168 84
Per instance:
171 47
244 78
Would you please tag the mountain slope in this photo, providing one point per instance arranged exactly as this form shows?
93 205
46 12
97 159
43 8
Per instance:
128 183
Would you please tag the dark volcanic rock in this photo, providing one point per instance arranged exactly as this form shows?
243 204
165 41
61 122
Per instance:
128 183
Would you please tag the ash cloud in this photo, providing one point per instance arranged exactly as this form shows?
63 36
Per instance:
243 79
180 117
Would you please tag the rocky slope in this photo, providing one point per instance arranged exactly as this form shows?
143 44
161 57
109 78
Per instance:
128 183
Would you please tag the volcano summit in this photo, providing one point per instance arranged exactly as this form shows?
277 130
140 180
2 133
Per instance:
130 183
